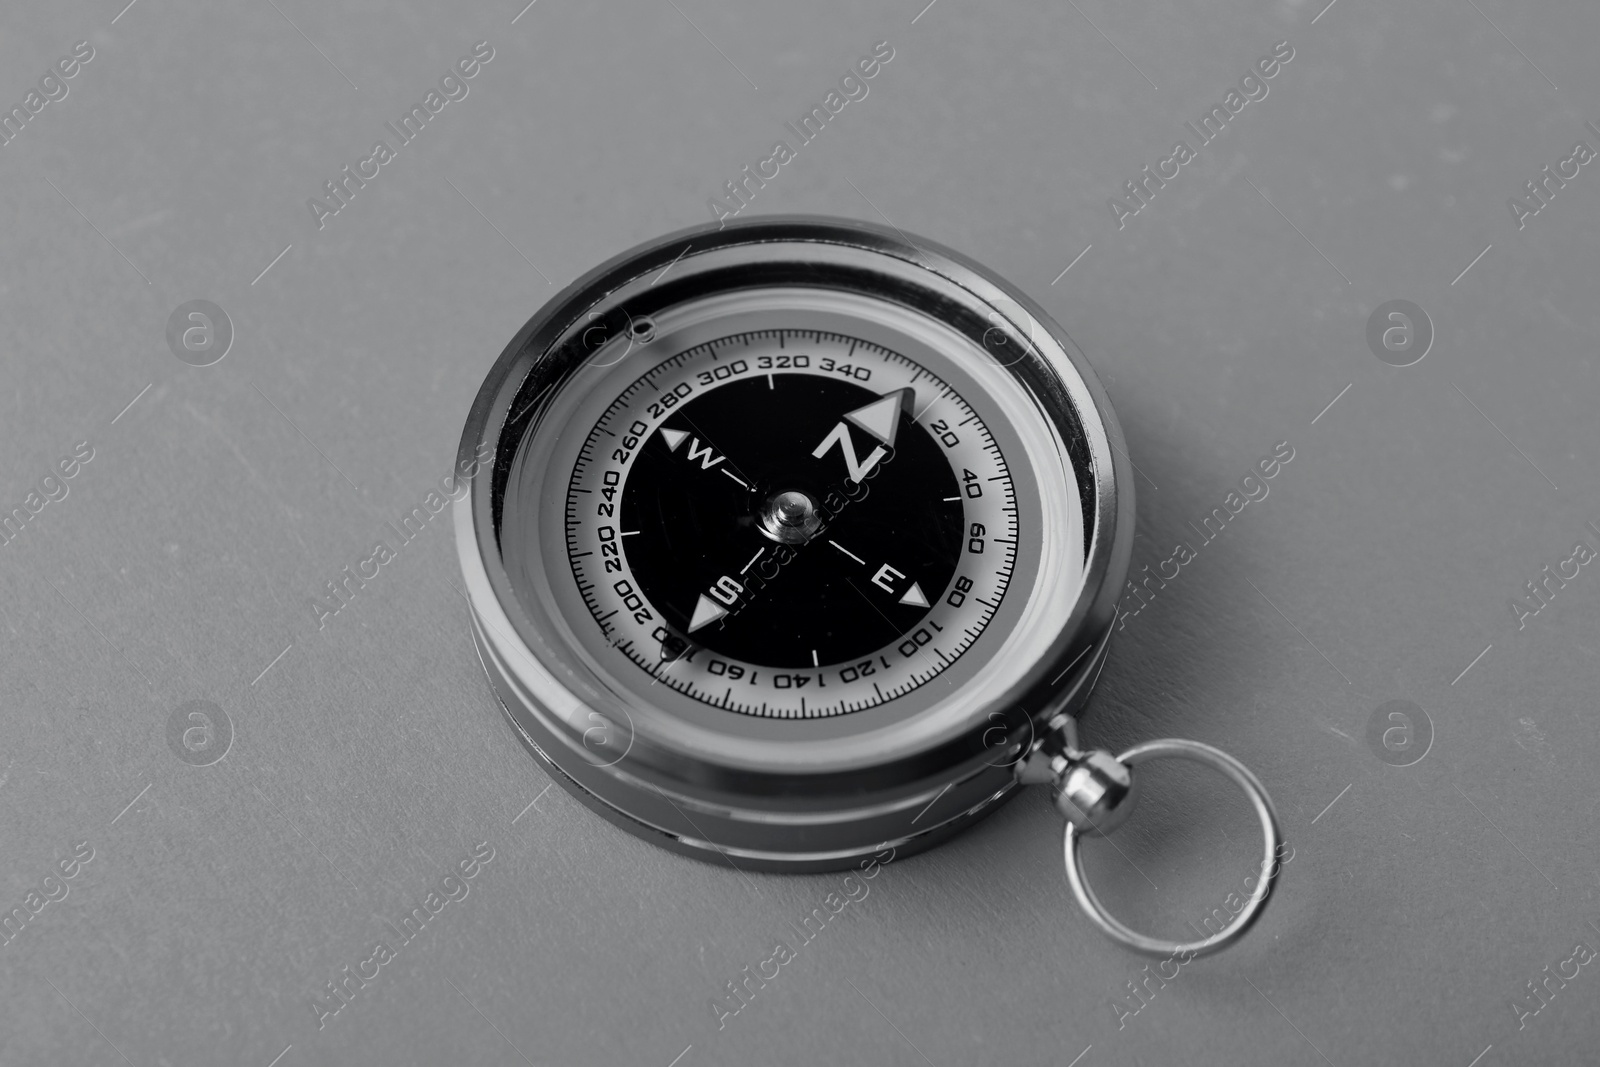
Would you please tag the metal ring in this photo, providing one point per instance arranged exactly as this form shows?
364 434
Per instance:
1154 946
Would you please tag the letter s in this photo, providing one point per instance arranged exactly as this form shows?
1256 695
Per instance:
83 51
485 52
878 50
1283 51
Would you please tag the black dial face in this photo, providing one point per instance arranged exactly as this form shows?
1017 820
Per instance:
792 519
790 523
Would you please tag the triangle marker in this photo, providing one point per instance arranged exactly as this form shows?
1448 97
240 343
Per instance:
674 438
706 612
914 597
881 418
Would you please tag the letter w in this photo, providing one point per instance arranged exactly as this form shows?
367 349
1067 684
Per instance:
704 455
841 435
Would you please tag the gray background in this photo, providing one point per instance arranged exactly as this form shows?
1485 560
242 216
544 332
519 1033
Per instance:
371 755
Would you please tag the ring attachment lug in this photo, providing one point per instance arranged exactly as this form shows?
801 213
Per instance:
1097 791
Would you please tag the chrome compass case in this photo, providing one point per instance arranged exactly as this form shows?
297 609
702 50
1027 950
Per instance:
801 539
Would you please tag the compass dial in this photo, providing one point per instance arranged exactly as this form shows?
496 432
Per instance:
791 523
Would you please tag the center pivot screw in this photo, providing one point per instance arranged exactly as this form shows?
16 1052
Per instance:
790 518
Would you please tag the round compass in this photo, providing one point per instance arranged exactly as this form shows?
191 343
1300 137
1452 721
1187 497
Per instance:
801 540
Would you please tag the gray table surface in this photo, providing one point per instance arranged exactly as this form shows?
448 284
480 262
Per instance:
368 757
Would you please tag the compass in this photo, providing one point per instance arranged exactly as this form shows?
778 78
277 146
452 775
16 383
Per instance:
803 540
